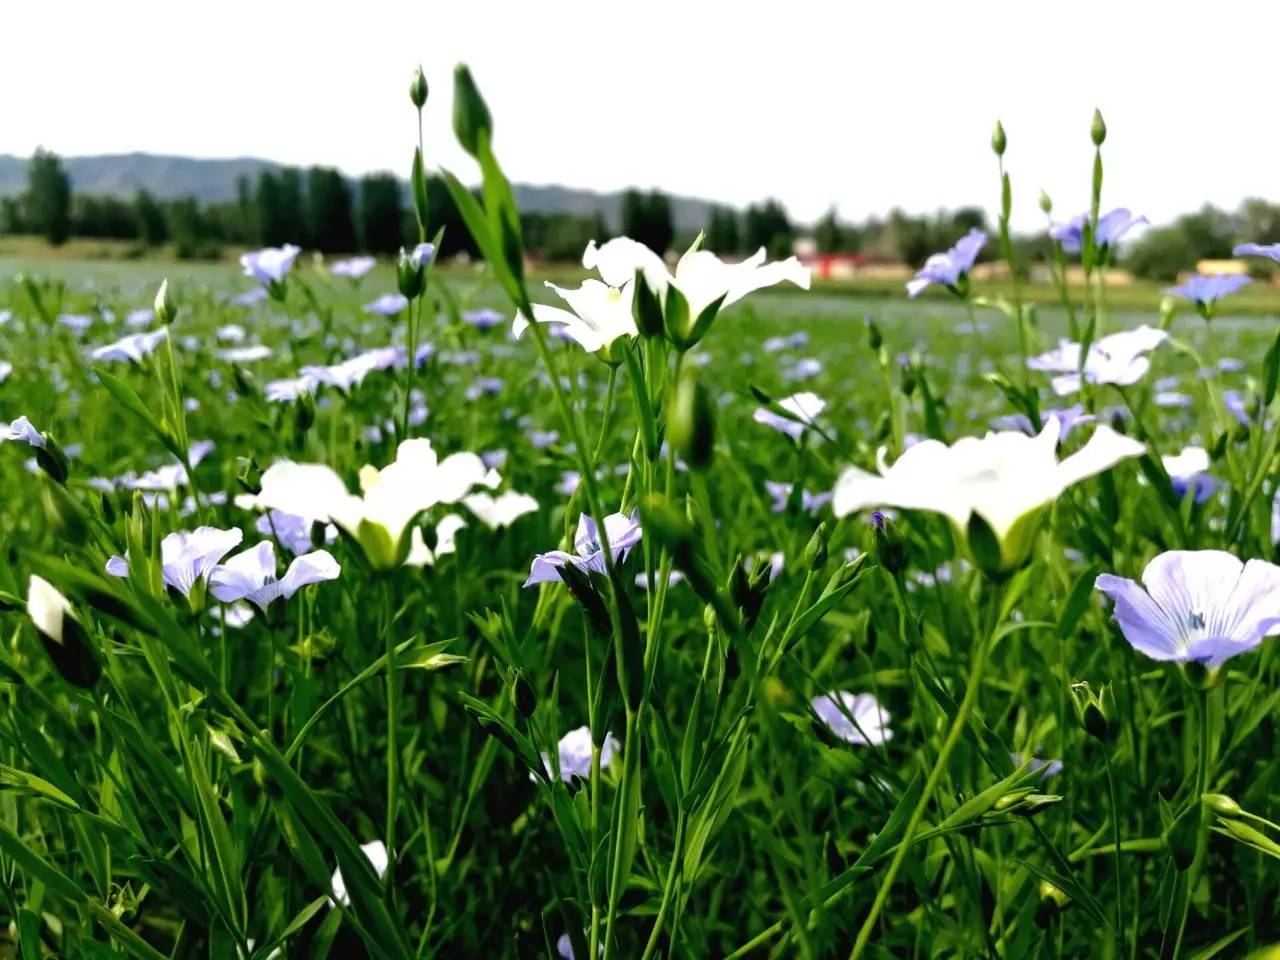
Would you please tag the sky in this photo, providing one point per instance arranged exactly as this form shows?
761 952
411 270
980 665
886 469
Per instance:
862 105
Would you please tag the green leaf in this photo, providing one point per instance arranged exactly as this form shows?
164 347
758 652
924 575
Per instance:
1078 600
125 396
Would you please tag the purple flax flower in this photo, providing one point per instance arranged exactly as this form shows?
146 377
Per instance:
781 494
251 575
1189 473
794 341
804 409
947 269
1118 359
421 255
21 429
388 305
271 264
250 354
1269 250
249 297
290 390
142 317
541 439
354 267
1200 606
803 369
133 347
292 531
575 749
185 557
77 322
1205 290
1235 403
855 718
481 386
624 533
1111 227
483 318
1068 419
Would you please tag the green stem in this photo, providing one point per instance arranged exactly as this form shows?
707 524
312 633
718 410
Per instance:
972 688
1115 835
393 755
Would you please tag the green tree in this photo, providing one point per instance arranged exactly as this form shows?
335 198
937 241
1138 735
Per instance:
723 234
381 214
1162 254
828 234
1209 231
48 197
766 225
151 229
646 217
330 226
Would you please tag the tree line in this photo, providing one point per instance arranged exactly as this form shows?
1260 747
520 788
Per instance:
320 209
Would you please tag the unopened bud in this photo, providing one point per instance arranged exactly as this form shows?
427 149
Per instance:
1045 203
304 413
1168 308
891 549
249 475
1222 805
165 309
815 553
645 308
1092 711
409 276
874 340
998 140
691 428
1098 129
471 118
418 88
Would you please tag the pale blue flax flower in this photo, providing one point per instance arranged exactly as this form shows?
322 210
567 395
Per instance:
186 558
588 556
1197 606
952 268
1110 228
251 575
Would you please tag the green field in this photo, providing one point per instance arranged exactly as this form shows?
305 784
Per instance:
331 631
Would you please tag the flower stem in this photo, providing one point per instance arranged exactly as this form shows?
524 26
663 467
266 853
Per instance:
972 688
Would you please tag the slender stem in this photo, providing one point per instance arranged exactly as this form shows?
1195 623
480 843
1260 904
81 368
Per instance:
935 775
1115 835
393 753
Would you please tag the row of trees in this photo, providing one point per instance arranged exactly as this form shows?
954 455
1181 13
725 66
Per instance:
320 209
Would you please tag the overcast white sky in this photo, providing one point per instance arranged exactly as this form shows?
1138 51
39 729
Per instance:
866 105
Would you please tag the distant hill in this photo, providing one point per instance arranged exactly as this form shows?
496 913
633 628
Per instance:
214 181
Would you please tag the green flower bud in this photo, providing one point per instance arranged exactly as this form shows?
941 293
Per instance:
815 553
891 549
1222 805
1045 203
691 426
522 694
418 88
51 459
165 309
1098 129
471 117
409 276
584 591
304 413
874 340
1168 309
998 140
645 308
249 475
1092 711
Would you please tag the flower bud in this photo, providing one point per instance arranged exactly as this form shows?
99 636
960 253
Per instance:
65 639
418 88
249 475
815 553
409 276
584 591
1045 203
304 413
874 340
1098 129
1222 805
645 308
1091 711
691 428
1168 309
165 309
998 140
471 117
52 460
891 549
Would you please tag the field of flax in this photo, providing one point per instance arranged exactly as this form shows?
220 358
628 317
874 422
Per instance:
676 613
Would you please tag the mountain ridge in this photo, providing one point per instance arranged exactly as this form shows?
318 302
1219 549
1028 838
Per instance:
213 180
